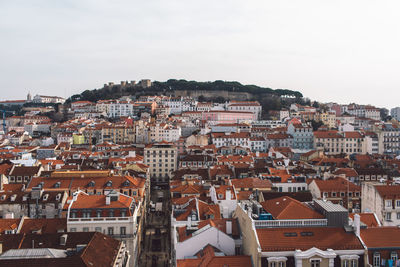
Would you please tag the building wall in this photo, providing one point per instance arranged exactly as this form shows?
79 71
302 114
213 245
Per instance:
211 236
249 236
371 201
162 165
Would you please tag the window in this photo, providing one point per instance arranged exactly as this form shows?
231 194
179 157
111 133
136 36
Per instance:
85 229
97 229
388 216
349 263
388 203
72 229
397 203
315 263
377 259
110 230
123 230
398 216
393 256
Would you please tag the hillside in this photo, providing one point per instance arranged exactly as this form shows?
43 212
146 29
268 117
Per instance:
269 98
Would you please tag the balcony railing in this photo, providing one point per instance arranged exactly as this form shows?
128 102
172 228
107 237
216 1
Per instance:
100 219
290 223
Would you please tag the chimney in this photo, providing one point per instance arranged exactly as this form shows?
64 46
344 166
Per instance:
63 239
249 211
108 199
356 224
229 227
228 194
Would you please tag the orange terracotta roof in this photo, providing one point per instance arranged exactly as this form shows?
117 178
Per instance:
85 201
45 226
381 237
287 208
327 134
349 172
337 184
388 191
251 183
368 219
291 239
8 224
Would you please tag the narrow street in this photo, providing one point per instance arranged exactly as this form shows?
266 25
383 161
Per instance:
155 246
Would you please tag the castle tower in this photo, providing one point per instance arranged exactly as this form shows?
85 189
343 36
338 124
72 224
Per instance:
29 97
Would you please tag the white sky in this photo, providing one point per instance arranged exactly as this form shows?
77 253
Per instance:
343 51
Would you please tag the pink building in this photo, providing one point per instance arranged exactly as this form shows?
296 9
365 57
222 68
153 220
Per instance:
228 116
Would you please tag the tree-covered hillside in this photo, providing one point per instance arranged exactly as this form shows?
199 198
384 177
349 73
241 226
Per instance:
157 87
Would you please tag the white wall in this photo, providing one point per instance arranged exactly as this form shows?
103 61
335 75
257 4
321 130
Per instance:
210 236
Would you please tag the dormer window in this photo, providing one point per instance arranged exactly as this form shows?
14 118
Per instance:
91 184
109 184
393 256
126 183
377 259
57 185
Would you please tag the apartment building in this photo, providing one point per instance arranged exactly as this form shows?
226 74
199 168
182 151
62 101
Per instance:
162 159
118 134
303 137
389 139
114 214
164 132
249 106
383 200
334 142
395 113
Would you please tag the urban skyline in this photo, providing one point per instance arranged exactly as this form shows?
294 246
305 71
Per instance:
320 49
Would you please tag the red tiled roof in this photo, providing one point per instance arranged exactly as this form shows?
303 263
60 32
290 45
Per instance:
85 201
368 219
287 208
8 224
251 183
275 239
327 134
337 184
388 191
381 237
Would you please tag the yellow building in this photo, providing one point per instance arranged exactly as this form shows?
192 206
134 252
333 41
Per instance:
118 134
329 119
78 139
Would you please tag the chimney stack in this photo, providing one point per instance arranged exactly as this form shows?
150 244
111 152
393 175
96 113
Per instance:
229 227
356 224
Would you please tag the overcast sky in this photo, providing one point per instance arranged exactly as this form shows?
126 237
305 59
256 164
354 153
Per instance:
343 51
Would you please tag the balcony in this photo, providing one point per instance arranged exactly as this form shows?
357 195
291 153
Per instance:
290 223
100 219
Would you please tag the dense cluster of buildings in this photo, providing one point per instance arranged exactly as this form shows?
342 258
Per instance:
243 191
